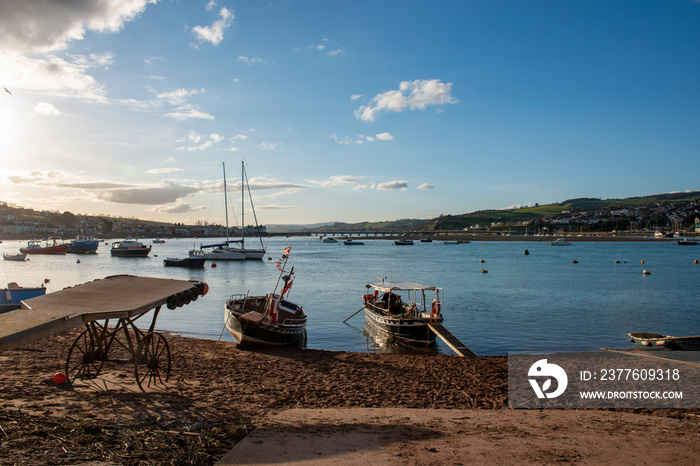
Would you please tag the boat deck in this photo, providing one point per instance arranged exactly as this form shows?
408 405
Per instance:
115 297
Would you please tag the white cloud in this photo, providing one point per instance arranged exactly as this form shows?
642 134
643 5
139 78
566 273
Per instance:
176 208
33 33
412 95
189 112
46 109
266 146
214 34
360 138
250 61
179 96
425 187
194 138
392 185
338 180
160 171
165 192
356 96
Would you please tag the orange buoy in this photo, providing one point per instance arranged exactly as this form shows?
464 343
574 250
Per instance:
213 264
574 262
484 271
59 378
695 261
642 261
617 262
482 261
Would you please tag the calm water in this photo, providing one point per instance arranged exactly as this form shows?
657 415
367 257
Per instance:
536 302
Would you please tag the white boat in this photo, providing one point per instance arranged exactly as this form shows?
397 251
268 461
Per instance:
327 239
224 251
560 242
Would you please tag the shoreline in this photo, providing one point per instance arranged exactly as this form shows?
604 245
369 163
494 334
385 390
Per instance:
218 394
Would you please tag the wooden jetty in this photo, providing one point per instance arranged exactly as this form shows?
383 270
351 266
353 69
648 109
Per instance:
451 340
124 298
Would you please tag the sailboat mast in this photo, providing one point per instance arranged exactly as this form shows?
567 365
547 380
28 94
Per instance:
242 204
223 164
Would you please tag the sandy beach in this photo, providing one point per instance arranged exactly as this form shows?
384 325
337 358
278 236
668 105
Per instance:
218 394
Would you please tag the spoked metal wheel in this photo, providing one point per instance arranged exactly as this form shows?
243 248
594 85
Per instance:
84 358
152 361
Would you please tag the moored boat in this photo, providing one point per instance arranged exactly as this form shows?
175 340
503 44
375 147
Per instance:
12 296
129 248
22 256
328 239
687 242
52 245
657 341
267 320
404 311
560 242
191 262
83 244
403 242
224 251
352 242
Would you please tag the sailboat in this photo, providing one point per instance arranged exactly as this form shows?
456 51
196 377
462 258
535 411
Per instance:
250 253
224 251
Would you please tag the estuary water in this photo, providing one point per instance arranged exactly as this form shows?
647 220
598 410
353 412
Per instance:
541 301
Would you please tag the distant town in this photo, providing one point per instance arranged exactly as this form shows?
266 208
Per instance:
668 213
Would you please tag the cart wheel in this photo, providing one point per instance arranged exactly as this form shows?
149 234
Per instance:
152 361
84 360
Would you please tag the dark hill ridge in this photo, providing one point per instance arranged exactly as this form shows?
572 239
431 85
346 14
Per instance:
676 210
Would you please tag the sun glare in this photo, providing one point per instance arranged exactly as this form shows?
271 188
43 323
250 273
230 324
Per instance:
10 132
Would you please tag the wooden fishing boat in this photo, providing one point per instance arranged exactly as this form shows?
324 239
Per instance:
267 320
50 246
12 296
656 341
404 311
83 244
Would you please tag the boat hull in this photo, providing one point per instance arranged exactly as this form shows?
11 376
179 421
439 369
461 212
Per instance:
60 249
11 298
83 247
15 257
135 252
188 262
409 331
259 331
656 341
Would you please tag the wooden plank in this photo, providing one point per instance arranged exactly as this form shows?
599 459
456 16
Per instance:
452 341
109 298
252 316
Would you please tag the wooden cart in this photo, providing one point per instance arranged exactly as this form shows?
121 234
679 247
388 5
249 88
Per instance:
124 298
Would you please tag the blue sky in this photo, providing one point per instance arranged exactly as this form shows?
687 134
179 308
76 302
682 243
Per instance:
344 110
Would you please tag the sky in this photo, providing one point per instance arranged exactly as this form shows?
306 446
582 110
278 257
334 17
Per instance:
343 110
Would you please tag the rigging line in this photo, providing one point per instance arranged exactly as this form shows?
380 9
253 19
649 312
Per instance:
257 227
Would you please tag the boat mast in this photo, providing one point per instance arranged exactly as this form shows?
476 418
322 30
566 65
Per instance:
242 205
223 164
